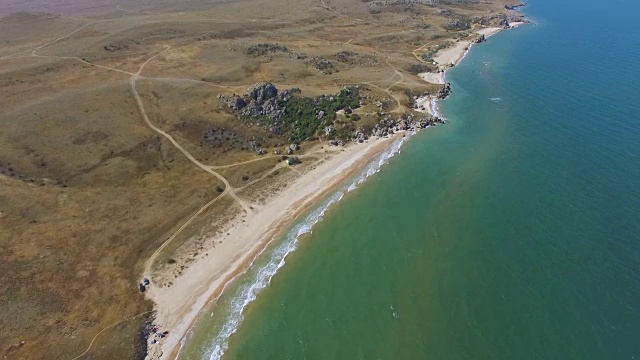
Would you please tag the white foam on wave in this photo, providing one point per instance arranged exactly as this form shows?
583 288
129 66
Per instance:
496 99
247 293
435 109
377 163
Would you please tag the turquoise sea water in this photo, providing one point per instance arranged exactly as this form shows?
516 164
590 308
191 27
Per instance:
513 232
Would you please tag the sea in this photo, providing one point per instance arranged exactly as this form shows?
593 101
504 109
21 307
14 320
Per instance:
511 232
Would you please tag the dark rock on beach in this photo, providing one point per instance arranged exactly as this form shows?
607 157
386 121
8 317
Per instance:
444 91
480 39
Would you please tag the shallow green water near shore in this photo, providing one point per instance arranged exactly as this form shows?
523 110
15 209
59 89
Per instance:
513 232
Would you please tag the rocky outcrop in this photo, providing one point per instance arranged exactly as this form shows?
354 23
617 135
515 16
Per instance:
261 100
504 24
480 39
323 65
235 102
265 106
458 25
488 20
262 91
444 91
388 126
284 113
265 48
514 7
514 16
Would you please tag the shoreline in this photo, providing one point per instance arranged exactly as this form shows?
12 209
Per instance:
177 307
207 278
451 57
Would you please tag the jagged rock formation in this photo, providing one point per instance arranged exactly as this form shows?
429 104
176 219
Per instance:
514 7
405 122
301 118
261 100
514 16
444 91
480 39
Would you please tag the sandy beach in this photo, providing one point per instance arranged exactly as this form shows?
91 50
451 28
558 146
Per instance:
178 306
453 55
447 58
432 77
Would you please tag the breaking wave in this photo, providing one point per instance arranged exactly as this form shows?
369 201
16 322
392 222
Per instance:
435 109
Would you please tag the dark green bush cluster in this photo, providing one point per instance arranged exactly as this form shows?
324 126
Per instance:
416 69
301 119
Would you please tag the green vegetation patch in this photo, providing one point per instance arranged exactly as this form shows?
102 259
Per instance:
305 116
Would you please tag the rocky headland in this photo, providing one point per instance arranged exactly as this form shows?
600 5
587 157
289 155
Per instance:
298 118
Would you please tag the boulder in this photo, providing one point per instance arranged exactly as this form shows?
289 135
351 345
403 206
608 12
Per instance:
262 92
270 109
252 109
235 102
